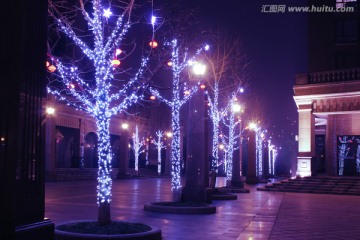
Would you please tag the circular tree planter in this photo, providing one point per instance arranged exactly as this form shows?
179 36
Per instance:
180 207
223 196
83 230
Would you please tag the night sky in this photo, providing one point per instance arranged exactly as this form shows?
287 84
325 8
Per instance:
276 46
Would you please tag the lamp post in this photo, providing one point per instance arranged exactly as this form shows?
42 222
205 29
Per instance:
197 176
236 180
251 177
124 151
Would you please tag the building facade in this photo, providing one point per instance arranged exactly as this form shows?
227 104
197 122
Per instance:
71 143
328 96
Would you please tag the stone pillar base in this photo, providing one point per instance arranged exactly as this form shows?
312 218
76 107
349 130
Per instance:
38 230
196 194
303 166
252 179
237 183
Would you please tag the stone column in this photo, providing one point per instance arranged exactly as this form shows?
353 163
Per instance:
50 148
168 157
236 180
331 165
197 164
22 157
306 140
251 177
124 155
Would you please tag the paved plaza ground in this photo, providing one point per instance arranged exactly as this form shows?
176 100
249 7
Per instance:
254 215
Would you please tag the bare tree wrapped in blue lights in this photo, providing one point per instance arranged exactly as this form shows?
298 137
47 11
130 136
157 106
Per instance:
180 61
343 152
230 140
138 147
90 77
226 72
159 145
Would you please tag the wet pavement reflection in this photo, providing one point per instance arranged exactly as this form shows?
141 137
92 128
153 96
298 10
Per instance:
254 215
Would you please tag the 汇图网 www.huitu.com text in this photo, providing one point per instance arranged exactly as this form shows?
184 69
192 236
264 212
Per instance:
307 9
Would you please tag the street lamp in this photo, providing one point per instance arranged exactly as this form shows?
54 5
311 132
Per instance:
199 68
125 126
50 110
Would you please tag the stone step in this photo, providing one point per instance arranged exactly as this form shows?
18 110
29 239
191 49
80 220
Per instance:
319 185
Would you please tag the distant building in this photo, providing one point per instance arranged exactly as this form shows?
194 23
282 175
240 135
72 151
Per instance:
71 142
328 96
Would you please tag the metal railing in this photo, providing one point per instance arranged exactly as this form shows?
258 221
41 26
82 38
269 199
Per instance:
341 75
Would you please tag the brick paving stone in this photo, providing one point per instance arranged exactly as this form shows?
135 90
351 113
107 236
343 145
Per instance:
255 215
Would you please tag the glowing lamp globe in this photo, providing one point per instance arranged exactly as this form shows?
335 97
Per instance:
186 92
118 51
236 108
152 97
199 69
153 44
52 68
50 110
169 63
71 85
115 62
169 134
124 126
202 86
253 126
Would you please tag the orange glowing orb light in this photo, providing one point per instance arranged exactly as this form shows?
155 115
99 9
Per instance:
187 92
152 97
169 63
202 86
153 44
52 68
47 64
71 85
115 62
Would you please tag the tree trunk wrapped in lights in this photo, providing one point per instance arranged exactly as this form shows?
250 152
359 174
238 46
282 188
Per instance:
138 149
180 95
90 79
159 145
